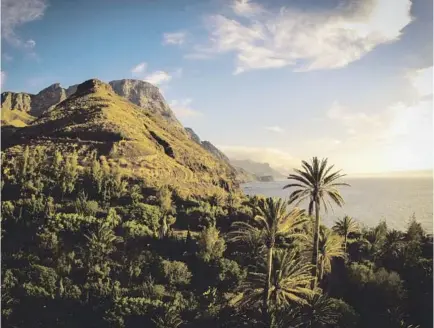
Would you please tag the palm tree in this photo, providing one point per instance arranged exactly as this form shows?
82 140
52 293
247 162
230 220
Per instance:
330 246
320 312
316 183
272 222
170 319
289 283
344 227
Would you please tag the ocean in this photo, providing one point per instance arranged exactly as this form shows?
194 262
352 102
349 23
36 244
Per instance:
370 200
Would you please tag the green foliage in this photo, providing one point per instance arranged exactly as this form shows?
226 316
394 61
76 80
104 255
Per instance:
211 245
80 248
84 206
149 215
175 273
69 173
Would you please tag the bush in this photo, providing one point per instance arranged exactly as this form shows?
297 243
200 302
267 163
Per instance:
211 245
176 273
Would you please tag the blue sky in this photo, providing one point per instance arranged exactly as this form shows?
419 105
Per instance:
275 81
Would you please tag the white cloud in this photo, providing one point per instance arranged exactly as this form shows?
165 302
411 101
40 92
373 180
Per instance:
19 12
139 68
176 38
7 57
30 44
309 40
246 8
3 79
182 108
422 81
158 77
278 159
276 129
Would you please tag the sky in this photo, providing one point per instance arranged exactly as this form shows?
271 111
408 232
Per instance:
273 81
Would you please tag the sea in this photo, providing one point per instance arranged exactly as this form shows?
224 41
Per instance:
370 200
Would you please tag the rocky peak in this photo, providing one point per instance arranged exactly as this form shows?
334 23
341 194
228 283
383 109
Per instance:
46 98
145 95
92 86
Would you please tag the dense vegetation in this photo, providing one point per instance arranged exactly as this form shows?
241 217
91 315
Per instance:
87 247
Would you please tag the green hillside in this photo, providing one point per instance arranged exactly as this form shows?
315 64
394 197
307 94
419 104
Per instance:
141 143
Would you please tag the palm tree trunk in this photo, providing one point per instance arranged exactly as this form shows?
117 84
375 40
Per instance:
345 243
267 320
321 271
315 246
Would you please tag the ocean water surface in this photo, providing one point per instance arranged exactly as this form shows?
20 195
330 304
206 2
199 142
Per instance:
370 200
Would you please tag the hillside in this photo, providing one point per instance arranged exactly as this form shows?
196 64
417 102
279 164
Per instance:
242 175
257 169
145 145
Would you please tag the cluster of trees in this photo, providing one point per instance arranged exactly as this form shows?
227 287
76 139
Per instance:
83 246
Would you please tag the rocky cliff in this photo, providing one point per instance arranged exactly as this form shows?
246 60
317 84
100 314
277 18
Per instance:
144 95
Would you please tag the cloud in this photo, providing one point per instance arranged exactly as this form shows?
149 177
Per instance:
276 129
3 79
246 8
307 40
30 44
139 68
7 57
182 108
16 13
158 77
422 81
277 158
176 38
398 137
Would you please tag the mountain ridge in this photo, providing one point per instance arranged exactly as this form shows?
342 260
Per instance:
143 143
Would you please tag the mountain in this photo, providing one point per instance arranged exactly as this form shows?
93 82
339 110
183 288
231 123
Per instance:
144 95
258 169
141 140
207 145
19 109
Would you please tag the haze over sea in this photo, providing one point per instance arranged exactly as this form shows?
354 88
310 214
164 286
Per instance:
370 200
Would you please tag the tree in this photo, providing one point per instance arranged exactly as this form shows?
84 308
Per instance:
289 283
317 184
320 311
69 174
273 221
165 201
344 227
211 245
330 246
170 319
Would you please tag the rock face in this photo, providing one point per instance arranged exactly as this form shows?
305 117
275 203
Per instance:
17 101
143 143
34 105
144 95
46 98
